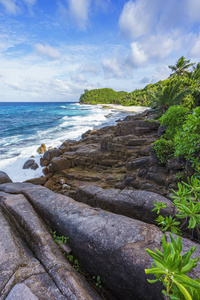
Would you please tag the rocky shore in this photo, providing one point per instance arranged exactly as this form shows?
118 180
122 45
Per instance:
118 157
99 192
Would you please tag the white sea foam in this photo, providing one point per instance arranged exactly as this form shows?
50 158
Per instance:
68 127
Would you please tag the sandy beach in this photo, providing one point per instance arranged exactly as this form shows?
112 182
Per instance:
137 109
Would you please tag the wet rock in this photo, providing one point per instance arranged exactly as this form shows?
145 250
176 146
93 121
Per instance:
42 149
30 164
4 178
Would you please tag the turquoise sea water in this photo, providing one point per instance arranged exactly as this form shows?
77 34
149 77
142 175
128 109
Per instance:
25 126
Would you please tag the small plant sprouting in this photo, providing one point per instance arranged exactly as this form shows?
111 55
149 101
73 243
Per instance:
171 268
158 205
60 239
97 280
74 262
168 223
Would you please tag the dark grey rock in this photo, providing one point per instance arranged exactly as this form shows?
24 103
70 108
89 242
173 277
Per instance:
34 166
159 178
4 178
106 244
28 164
134 204
142 162
59 278
175 164
161 130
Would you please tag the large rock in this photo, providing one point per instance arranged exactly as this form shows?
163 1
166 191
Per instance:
106 244
133 204
4 178
48 275
30 164
59 163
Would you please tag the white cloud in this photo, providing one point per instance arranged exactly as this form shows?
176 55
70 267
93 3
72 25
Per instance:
161 45
136 19
91 68
111 68
14 85
14 7
161 72
79 78
137 57
10 6
79 11
47 50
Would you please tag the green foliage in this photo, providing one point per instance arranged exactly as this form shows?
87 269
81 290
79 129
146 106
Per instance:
174 119
168 223
74 262
164 149
188 101
171 93
181 67
158 205
186 199
60 239
171 268
97 280
187 140
141 97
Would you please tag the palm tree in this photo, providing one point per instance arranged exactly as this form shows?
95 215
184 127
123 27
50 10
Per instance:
180 67
195 75
170 94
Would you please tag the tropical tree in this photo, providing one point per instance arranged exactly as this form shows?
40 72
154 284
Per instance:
181 66
170 94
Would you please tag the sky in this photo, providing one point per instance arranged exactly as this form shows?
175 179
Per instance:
52 50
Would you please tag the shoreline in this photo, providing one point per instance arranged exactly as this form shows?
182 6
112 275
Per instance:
26 174
131 109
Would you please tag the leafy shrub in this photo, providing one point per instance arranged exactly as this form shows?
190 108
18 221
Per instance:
171 268
174 118
164 149
188 101
187 140
186 200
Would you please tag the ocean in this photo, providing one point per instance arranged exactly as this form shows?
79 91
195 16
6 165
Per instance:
25 126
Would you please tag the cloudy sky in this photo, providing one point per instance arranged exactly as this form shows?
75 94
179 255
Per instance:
51 50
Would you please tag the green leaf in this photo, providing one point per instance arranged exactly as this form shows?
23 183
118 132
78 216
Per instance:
155 271
183 290
189 281
192 222
152 280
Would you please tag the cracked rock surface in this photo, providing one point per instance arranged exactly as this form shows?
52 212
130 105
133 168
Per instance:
109 245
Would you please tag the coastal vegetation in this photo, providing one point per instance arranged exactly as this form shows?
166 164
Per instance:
141 97
182 87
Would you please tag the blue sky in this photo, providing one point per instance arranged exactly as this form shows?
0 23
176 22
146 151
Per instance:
51 50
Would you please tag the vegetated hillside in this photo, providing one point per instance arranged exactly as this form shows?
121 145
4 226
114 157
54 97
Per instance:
141 97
